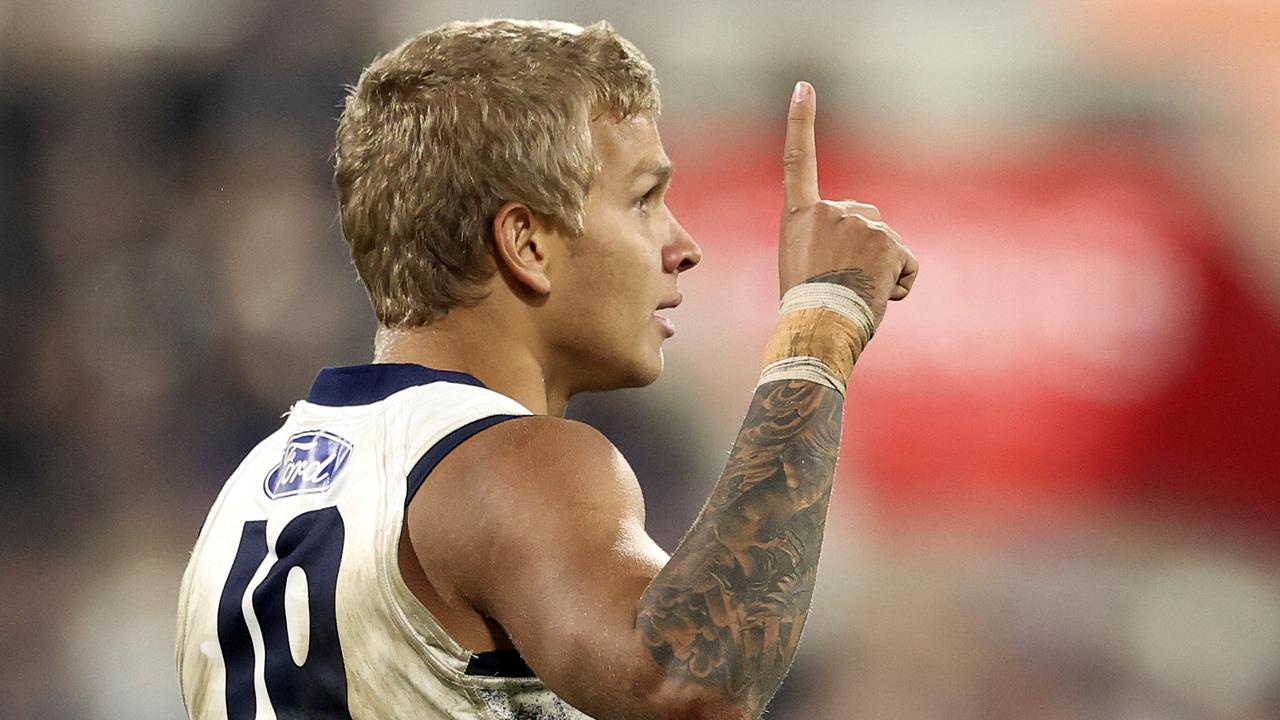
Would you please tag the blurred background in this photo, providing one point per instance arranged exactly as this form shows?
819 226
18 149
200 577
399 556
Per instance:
1059 495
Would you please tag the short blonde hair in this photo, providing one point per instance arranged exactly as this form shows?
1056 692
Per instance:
440 132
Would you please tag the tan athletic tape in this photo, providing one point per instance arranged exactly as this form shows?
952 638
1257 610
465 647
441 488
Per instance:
827 335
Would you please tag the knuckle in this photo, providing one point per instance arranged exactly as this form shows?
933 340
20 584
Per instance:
860 208
889 232
830 210
860 221
869 211
870 228
880 236
792 157
799 117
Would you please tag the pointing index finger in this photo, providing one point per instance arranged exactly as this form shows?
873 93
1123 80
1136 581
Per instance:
799 157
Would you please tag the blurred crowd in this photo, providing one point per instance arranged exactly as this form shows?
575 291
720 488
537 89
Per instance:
1060 490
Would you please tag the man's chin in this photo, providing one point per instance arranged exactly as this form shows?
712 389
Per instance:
650 373
643 380
634 375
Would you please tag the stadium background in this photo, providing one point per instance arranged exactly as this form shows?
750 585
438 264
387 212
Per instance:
1059 492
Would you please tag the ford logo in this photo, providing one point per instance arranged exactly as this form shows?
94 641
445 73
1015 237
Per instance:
311 462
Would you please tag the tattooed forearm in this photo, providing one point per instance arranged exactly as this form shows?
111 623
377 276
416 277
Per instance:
727 610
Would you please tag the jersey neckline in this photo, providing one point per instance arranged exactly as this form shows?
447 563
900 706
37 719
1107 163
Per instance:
367 384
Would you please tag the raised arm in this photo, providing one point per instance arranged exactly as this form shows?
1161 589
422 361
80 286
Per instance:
554 547
725 614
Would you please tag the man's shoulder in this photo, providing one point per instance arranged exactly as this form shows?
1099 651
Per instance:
532 468
543 438
542 455
524 491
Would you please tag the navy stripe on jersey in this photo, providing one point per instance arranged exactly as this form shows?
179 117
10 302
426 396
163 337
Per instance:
366 384
499 663
432 457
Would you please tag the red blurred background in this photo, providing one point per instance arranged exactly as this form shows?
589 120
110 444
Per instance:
1059 494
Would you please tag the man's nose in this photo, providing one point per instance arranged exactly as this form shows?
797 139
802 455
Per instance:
681 252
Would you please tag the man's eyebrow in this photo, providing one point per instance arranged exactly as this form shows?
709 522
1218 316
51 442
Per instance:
661 170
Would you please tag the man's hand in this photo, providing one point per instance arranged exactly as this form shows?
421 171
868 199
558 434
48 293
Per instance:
842 240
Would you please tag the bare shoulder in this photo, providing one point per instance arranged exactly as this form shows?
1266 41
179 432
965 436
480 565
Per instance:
518 496
539 455
547 439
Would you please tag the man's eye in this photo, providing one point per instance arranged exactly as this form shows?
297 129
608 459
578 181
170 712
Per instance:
647 198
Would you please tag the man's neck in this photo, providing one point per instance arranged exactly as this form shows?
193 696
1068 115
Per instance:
502 361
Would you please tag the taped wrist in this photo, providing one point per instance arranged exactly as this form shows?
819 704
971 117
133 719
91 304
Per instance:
822 329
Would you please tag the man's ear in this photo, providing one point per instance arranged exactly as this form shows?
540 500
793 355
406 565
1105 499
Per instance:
521 239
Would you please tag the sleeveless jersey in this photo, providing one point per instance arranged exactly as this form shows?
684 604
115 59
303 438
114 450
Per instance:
293 605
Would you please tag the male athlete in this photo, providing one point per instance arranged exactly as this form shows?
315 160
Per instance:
427 536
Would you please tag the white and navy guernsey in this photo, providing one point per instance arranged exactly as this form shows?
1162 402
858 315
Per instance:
293 605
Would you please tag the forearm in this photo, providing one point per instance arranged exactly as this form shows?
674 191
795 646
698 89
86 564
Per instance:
725 614
723 617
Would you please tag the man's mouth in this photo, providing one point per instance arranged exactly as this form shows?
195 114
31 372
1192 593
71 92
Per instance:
668 327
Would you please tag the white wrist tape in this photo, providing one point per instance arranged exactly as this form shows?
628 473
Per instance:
802 368
833 297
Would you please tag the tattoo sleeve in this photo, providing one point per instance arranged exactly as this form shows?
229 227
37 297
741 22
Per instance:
727 610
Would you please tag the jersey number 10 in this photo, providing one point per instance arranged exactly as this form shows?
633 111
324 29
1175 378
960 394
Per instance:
316 688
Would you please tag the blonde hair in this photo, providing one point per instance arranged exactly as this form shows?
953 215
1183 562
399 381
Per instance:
440 132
